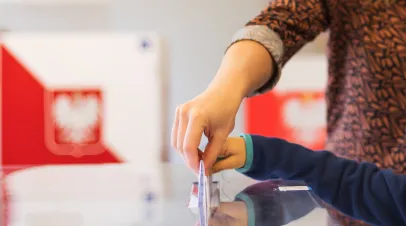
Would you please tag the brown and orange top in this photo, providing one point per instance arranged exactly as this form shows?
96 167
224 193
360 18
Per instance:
366 91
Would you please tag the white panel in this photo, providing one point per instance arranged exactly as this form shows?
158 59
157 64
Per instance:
56 2
197 38
305 73
129 75
91 195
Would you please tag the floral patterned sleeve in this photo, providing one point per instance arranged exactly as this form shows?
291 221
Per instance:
283 28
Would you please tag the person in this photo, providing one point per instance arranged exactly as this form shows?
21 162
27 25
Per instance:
366 90
360 190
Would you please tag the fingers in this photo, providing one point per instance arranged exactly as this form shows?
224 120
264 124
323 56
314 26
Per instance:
231 162
192 139
200 153
174 134
213 149
220 219
187 131
182 126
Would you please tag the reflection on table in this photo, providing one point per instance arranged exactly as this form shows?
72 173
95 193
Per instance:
270 203
128 195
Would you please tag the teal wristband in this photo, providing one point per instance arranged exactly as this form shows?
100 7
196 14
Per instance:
250 208
249 149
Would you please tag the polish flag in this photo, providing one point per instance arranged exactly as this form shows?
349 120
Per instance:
71 104
87 98
295 109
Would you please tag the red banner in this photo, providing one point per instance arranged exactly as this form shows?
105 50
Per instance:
297 116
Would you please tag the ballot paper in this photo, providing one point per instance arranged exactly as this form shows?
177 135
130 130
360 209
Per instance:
204 195
193 199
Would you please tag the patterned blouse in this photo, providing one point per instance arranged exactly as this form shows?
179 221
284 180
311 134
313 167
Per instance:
366 94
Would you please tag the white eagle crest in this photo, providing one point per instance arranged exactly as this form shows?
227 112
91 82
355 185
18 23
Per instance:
77 117
306 118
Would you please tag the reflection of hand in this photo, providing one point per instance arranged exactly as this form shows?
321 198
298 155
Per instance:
233 155
229 214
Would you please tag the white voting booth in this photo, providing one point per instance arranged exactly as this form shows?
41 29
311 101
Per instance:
81 112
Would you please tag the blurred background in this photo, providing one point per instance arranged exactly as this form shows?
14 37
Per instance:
138 59
195 34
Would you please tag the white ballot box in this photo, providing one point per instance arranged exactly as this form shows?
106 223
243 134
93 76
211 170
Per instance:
83 195
84 98
79 112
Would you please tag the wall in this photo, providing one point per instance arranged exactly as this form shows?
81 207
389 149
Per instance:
18 17
196 33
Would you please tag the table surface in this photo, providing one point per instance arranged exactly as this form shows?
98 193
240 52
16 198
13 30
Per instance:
126 195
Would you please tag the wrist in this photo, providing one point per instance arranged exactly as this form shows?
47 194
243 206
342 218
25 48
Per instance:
249 153
229 87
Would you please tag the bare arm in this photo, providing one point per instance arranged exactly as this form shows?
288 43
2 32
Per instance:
251 65
259 50
246 66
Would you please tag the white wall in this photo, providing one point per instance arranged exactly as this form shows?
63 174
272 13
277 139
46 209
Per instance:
195 32
57 17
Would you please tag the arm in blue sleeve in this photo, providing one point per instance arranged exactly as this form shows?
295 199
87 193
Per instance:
360 190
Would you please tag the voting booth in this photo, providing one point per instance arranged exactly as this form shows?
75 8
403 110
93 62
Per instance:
75 106
295 109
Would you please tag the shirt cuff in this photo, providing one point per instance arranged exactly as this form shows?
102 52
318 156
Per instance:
250 207
272 42
249 149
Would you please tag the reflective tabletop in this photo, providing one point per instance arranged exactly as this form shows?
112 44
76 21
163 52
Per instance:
128 195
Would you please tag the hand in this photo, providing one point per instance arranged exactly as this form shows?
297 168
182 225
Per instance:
213 114
246 66
229 214
232 156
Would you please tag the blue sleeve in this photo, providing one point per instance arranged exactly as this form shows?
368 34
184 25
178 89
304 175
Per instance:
360 190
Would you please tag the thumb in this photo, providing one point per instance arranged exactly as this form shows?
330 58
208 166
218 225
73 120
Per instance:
232 155
231 162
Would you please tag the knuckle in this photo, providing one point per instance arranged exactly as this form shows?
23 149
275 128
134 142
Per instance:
178 147
219 133
195 113
187 147
183 111
178 109
187 110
